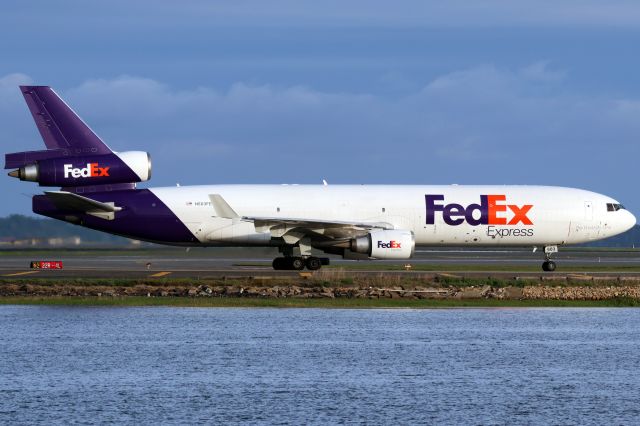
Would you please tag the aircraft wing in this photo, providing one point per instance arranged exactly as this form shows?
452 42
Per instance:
291 228
315 223
69 201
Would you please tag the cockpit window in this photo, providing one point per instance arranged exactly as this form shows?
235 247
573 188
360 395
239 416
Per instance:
613 207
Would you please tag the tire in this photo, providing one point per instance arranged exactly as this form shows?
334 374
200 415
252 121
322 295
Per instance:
278 263
313 264
549 266
297 263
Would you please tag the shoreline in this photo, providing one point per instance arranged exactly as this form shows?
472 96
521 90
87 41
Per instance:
235 302
296 292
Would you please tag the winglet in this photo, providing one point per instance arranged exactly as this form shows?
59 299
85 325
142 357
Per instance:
222 208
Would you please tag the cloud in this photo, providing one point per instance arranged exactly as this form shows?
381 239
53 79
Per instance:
540 71
243 115
9 92
477 113
484 124
11 81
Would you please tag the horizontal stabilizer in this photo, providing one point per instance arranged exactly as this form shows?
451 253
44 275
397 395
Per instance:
68 201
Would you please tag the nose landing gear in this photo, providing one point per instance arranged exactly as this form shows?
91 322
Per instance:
549 265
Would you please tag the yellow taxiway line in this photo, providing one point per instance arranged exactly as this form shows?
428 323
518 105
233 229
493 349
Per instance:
442 274
21 273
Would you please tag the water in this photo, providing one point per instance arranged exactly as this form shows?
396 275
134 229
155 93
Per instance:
301 366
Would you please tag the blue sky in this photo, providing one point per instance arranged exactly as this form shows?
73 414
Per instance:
409 92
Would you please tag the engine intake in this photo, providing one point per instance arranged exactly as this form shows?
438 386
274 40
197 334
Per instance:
392 244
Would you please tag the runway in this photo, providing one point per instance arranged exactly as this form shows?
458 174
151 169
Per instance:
203 263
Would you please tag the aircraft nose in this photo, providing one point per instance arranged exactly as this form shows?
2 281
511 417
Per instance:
627 221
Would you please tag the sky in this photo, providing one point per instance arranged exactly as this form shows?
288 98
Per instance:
406 92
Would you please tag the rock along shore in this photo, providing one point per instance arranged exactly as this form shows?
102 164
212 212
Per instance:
305 290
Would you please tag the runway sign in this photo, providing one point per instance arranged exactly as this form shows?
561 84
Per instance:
46 264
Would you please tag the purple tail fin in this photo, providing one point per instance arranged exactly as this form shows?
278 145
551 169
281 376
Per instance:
60 127
75 157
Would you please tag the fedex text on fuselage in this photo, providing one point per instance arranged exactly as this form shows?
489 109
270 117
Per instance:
493 209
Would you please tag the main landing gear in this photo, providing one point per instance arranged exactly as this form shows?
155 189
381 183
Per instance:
296 263
297 257
549 265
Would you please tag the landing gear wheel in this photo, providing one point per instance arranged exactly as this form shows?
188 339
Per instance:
297 263
313 263
279 263
549 266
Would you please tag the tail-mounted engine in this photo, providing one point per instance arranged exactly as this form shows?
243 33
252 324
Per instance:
75 156
392 244
74 171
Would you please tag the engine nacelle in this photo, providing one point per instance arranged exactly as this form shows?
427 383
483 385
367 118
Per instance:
392 244
123 167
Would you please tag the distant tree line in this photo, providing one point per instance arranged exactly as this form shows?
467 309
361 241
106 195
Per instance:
631 238
20 227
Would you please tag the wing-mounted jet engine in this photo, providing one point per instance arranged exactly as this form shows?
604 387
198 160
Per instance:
386 244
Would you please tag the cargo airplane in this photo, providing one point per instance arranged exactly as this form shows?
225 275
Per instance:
98 190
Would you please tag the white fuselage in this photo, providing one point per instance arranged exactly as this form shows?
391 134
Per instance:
508 215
